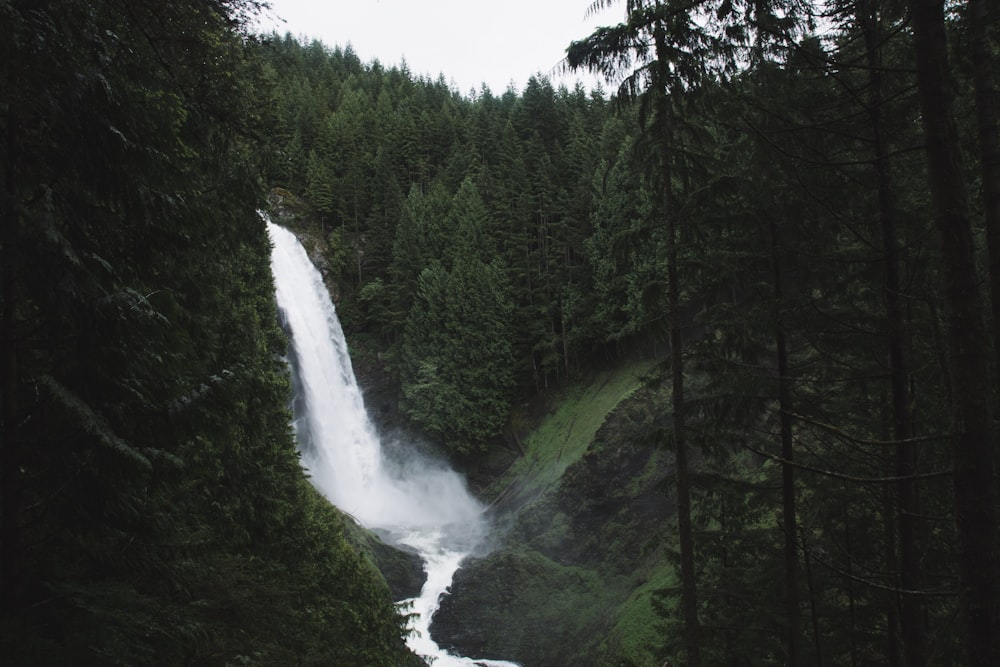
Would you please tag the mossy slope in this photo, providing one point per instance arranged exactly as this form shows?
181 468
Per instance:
574 580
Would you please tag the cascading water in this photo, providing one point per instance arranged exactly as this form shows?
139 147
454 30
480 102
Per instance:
415 503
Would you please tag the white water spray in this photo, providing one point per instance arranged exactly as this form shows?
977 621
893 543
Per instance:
422 505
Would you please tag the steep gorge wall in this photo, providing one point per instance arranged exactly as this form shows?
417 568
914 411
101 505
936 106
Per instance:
584 551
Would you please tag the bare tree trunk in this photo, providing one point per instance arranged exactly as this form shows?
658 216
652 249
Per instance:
793 618
911 608
989 146
9 493
851 601
689 597
689 589
968 351
893 650
813 607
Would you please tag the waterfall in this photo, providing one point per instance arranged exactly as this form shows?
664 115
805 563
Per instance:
414 502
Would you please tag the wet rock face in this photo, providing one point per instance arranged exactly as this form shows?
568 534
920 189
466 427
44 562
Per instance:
402 568
518 606
548 595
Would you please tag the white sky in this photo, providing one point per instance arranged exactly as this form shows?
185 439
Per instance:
469 41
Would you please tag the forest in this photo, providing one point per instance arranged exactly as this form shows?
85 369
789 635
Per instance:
153 508
790 208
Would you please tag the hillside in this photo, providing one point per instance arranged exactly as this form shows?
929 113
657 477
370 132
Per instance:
585 522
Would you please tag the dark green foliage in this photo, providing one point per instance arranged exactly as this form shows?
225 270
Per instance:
456 354
530 158
488 249
154 510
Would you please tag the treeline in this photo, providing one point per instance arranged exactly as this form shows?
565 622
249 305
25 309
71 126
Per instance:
153 508
803 223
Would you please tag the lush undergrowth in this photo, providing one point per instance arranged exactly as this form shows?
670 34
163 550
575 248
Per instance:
638 630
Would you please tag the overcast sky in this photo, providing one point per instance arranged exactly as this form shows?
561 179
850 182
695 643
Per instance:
470 41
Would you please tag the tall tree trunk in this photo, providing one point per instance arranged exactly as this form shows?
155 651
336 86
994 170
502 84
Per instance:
892 643
968 353
9 493
911 609
813 607
792 614
689 588
851 599
989 145
689 598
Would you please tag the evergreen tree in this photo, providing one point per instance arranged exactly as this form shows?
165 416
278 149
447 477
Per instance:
456 354
153 507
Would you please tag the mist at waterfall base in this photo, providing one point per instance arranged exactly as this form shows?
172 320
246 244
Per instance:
409 499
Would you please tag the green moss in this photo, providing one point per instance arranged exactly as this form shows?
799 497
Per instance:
529 607
533 608
639 631
562 436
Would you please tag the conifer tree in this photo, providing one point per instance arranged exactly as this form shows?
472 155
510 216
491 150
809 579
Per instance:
154 510
973 446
